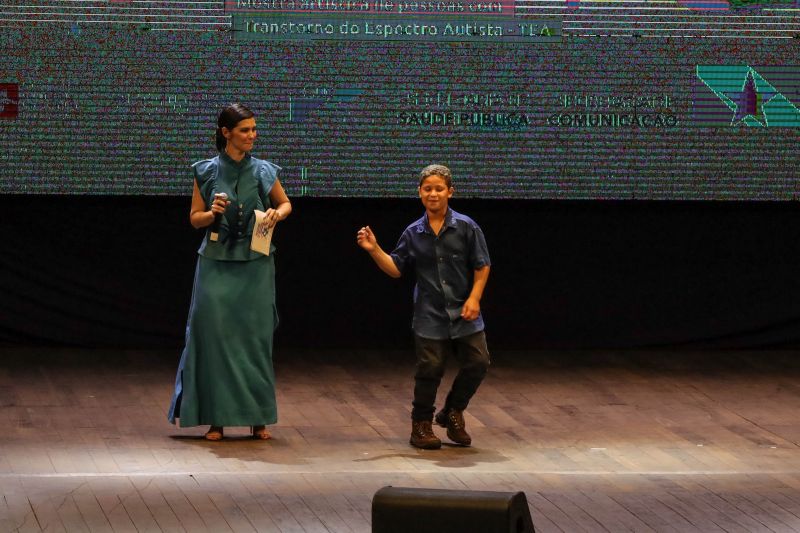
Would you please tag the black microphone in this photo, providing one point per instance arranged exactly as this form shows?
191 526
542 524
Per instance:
217 219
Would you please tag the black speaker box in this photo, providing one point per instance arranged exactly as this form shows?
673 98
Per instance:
408 510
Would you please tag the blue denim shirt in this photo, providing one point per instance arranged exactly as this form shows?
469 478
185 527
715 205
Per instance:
444 265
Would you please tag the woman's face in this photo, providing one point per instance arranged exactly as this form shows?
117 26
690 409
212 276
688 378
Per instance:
241 137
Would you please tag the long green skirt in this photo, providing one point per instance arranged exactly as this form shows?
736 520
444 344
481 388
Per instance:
225 376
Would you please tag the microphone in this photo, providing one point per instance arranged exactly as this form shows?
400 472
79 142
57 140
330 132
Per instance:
217 219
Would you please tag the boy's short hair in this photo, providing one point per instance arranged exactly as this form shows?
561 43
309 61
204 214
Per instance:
436 170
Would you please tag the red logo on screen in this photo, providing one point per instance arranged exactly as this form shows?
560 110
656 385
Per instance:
9 100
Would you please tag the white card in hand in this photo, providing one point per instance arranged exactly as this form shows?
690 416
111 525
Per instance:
262 233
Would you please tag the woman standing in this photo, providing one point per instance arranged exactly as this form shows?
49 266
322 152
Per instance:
225 375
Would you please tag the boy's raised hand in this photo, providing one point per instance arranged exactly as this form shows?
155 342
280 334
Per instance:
366 239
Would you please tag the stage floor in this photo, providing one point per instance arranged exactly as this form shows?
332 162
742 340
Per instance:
600 441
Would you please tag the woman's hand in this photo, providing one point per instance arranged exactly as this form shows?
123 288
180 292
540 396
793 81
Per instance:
219 204
202 215
272 217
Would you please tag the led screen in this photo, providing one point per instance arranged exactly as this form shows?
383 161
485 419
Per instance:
572 99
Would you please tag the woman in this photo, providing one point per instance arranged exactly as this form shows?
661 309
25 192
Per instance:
225 376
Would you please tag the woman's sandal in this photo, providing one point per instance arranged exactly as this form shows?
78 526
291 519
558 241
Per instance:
260 432
214 433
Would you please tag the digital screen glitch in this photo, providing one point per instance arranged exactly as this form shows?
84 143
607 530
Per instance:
540 99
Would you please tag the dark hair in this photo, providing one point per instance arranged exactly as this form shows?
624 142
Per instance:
436 170
229 117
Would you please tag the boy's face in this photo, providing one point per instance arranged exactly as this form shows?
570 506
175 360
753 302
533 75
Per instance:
435 193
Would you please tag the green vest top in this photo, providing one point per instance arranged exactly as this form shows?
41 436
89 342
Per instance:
247 184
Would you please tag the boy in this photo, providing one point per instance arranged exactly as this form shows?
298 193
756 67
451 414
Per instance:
448 254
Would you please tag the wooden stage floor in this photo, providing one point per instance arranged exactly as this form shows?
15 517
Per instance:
601 441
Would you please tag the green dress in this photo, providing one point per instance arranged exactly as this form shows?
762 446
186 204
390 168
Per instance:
225 376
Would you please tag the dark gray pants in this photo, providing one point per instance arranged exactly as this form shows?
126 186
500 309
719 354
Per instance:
432 355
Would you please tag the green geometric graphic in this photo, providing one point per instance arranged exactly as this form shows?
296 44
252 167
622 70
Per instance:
752 99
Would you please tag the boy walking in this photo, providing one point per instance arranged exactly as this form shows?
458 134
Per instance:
448 254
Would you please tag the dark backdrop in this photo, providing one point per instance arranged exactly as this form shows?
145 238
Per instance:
117 272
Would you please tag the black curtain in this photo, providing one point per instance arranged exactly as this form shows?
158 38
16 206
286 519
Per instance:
117 272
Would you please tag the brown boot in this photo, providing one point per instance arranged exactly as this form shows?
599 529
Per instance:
422 436
453 420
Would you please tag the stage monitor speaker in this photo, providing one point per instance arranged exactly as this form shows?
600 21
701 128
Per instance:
408 510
